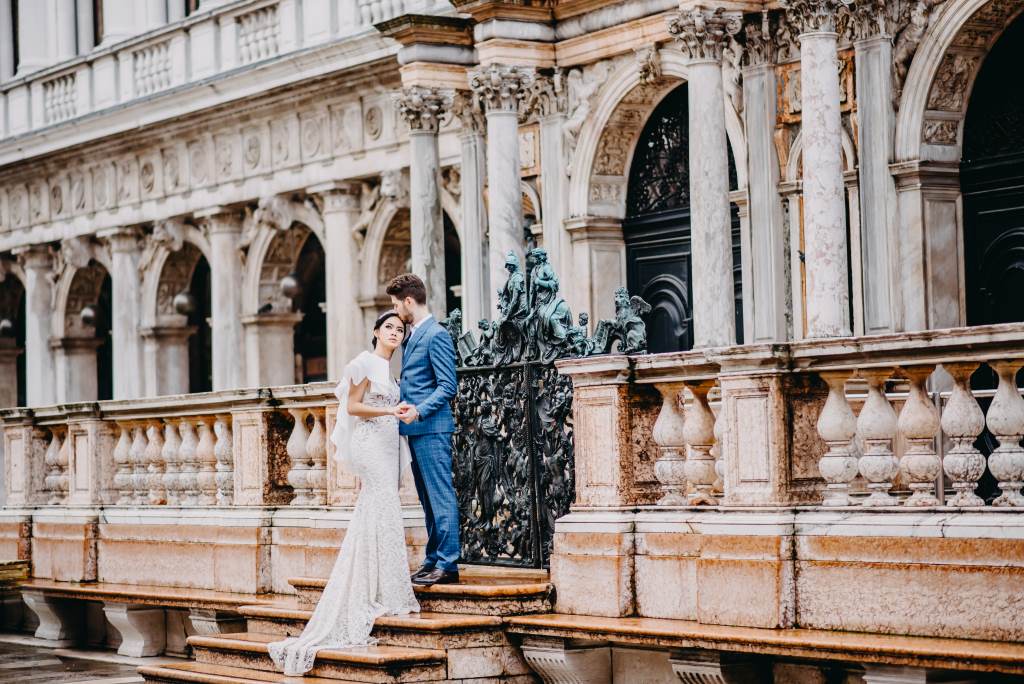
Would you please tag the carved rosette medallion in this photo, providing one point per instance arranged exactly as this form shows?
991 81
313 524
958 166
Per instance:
814 16
424 109
702 33
502 88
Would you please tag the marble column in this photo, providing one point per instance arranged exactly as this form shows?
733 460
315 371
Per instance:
9 353
224 227
37 262
126 286
7 29
270 349
477 298
346 335
423 109
702 37
827 267
64 34
165 349
501 89
554 181
76 363
768 291
879 241
126 18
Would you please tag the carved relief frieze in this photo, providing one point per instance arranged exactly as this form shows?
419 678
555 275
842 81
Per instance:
949 89
612 150
941 132
84 185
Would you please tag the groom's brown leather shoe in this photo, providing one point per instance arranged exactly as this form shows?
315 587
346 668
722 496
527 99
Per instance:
437 576
424 569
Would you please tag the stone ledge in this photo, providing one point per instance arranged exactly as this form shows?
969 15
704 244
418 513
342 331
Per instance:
952 654
167 597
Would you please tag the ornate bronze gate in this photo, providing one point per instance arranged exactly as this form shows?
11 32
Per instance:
513 445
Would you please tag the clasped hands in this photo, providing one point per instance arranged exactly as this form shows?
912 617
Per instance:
406 412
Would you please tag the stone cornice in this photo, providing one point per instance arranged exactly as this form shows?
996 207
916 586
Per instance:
541 11
413 29
701 33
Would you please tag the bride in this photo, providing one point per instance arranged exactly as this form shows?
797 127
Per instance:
371 574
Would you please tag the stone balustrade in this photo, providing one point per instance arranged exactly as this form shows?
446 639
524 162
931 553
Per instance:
889 420
247 447
205 45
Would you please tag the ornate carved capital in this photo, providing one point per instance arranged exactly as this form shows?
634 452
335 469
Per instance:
120 240
424 109
335 197
702 33
547 95
810 16
169 233
502 88
469 110
869 19
37 257
760 45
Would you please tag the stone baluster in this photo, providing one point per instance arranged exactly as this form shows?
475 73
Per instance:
298 475
837 426
716 452
223 452
699 435
63 462
206 461
122 461
919 423
140 476
962 421
172 469
187 480
155 463
52 460
316 453
1006 422
876 426
670 468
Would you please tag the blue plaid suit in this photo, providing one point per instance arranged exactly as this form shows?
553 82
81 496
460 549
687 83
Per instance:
428 382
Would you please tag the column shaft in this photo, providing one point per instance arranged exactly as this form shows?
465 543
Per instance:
767 294
554 195
39 359
126 286
427 225
827 266
346 335
224 229
714 309
477 297
505 198
879 243
7 29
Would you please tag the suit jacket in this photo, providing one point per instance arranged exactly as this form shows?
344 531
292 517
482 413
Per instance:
428 379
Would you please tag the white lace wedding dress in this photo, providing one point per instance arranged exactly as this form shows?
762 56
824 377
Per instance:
371 574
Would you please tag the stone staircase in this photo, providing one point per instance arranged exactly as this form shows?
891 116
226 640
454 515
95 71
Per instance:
459 637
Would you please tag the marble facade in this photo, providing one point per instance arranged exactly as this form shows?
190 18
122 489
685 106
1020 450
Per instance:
785 483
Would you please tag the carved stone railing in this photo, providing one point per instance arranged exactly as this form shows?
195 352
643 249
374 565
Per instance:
244 447
199 47
888 420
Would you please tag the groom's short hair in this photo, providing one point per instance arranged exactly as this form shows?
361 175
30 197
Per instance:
408 285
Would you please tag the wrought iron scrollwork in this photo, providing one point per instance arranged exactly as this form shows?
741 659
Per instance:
513 444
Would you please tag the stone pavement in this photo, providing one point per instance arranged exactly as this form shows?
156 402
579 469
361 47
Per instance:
34 665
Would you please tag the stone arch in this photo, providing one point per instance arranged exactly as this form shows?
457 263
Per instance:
794 161
932 108
168 263
277 258
608 138
77 288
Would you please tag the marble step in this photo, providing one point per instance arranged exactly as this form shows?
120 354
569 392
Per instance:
374 664
425 630
474 595
206 673
476 646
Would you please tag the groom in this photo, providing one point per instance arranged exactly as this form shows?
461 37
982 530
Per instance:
428 386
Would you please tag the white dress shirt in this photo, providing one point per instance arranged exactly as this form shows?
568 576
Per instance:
412 330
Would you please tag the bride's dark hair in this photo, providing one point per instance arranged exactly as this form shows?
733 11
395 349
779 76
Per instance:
381 320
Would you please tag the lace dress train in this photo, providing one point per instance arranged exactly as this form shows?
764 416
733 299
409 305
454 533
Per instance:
371 574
